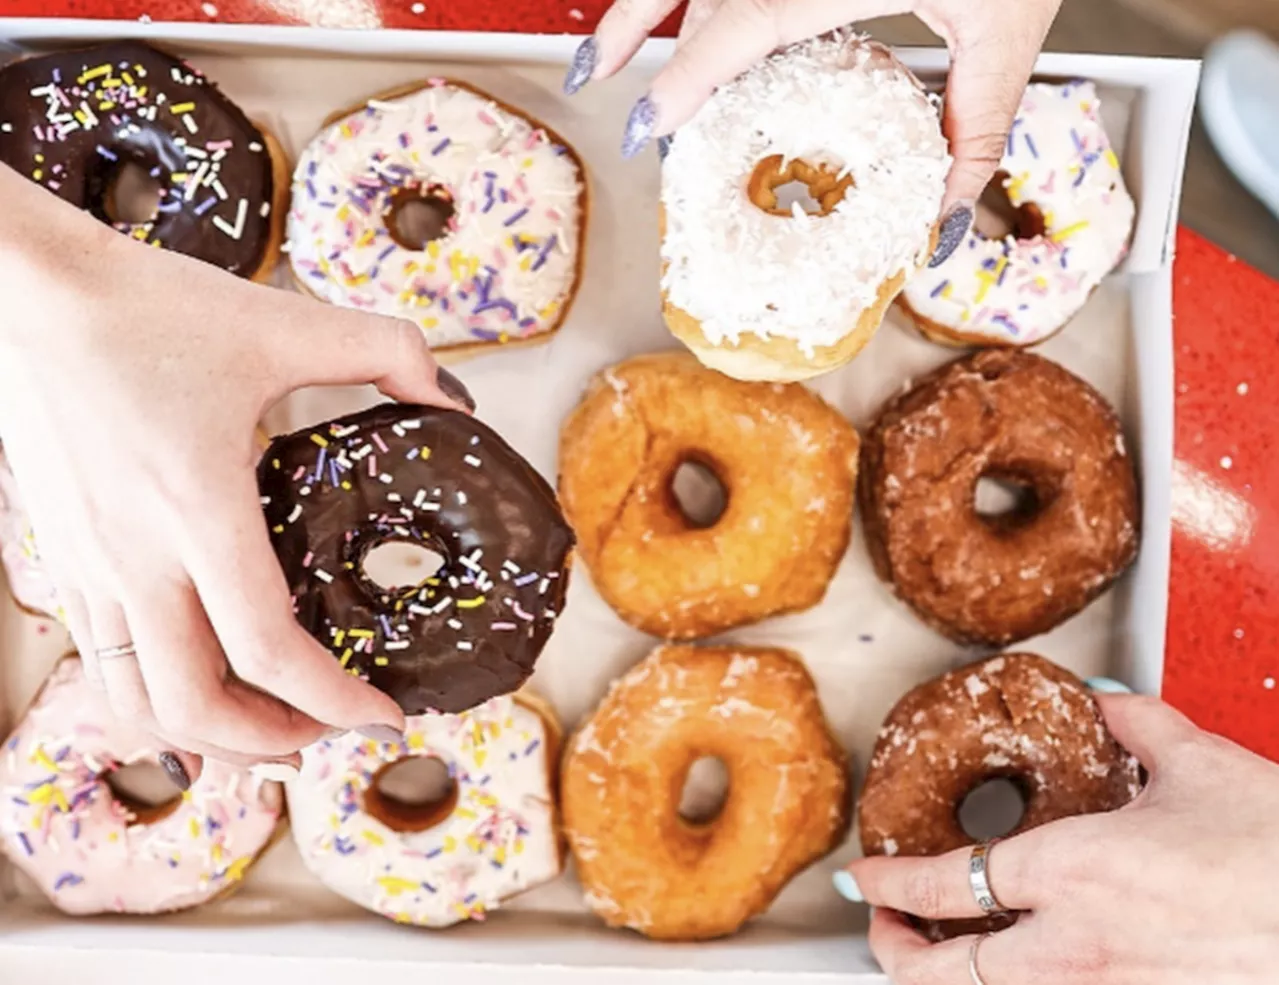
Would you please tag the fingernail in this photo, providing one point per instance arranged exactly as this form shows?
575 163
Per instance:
664 148
847 886
277 772
454 388
952 233
381 733
644 114
175 771
1107 685
583 64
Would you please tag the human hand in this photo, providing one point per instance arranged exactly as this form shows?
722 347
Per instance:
1177 888
131 382
993 49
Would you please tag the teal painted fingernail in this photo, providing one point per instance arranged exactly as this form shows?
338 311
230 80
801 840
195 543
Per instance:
1107 685
847 886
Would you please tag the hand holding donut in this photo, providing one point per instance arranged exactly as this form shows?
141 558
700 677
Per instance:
993 48
131 382
1177 887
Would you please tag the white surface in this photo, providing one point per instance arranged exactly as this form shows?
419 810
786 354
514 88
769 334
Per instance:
284 925
1238 103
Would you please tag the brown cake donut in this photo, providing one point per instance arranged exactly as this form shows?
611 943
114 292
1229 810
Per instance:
787 462
1001 414
1016 717
645 867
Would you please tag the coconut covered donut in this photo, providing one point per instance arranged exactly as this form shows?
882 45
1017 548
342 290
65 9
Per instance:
1074 217
1015 717
494 834
63 826
510 200
787 462
642 864
762 292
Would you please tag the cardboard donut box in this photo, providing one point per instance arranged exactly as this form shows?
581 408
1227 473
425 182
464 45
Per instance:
863 648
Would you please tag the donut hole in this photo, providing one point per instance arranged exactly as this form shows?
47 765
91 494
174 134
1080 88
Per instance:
133 194
1007 499
698 493
996 217
412 794
776 187
704 791
992 809
399 566
419 215
144 790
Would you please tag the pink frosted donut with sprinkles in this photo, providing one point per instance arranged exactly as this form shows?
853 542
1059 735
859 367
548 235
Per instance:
1074 217
29 582
493 833
63 826
495 254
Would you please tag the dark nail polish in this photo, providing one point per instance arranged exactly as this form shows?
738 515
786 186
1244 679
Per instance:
454 388
952 233
644 114
381 733
174 770
583 64
664 148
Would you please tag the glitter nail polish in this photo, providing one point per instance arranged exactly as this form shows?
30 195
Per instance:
583 64
644 114
952 233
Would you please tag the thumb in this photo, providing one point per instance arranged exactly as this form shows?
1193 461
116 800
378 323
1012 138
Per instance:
338 346
989 73
1147 727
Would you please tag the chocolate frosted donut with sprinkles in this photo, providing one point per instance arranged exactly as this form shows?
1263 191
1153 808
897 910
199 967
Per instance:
75 121
443 206
1073 220
441 480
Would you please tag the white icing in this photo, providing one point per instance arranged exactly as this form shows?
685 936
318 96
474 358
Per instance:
505 268
1020 292
834 101
499 840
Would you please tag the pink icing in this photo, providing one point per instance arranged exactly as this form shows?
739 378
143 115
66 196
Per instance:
60 824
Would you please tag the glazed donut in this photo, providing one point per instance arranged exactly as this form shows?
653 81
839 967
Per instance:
510 195
999 414
29 583
442 480
61 824
71 121
762 292
1016 717
645 867
495 834
786 460
1074 220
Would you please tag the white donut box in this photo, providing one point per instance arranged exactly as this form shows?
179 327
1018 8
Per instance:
863 647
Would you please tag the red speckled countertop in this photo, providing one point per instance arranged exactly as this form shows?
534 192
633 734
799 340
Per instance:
1221 662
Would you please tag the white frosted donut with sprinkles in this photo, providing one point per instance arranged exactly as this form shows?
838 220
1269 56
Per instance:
61 824
495 836
1075 217
29 582
761 291
509 195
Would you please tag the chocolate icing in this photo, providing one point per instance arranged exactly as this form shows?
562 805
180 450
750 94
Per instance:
69 121
443 480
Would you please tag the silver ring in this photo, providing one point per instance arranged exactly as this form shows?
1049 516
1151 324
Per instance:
978 881
112 652
973 959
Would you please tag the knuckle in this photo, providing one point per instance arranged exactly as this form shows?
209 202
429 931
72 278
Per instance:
922 893
182 715
1087 959
254 665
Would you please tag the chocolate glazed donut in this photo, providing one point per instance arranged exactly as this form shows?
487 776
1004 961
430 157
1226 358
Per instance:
70 122
1015 717
442 480
999 414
